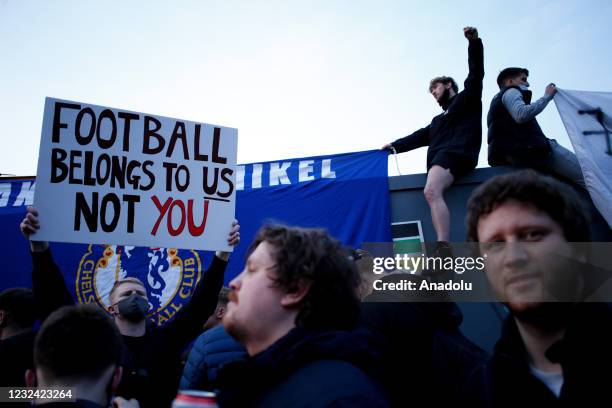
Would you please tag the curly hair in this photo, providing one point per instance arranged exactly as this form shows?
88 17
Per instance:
551 196
443 80
311 256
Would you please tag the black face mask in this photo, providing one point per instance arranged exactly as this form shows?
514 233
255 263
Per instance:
134 308
445 99
527 97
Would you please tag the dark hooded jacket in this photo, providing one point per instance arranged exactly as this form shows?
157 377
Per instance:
305 369
425 357
584 354
458 130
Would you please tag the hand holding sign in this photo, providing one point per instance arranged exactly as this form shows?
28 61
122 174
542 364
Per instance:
233 239
29 226
30 223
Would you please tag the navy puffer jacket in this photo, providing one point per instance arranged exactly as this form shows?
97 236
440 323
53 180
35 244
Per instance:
213 348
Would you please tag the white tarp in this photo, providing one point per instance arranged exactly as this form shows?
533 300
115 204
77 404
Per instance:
587 117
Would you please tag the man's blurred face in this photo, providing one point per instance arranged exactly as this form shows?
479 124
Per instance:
439 89
522 246
254 309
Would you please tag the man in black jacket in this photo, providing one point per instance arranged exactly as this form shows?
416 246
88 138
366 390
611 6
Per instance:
454 137
292 308
151 359
555 348
514 135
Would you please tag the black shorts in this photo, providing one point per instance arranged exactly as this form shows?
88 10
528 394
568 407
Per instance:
457 164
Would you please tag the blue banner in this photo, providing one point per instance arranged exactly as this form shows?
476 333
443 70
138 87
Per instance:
347 194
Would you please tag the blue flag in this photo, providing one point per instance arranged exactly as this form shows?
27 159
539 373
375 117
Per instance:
347 194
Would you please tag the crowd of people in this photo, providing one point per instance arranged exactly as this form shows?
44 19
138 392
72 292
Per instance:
291 330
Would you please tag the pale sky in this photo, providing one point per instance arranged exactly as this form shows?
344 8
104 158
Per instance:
296 78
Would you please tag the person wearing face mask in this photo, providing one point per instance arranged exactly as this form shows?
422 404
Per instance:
151 354
453 137
514 135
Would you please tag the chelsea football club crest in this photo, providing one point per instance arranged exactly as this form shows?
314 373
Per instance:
169 274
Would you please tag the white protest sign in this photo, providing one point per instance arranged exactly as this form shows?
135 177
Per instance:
111 176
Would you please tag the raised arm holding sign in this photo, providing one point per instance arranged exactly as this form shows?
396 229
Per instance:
136 180
152 353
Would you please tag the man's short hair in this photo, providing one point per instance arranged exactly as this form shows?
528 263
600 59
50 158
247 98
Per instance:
19 307
443 80
509 73
129 279
548 195
311 256
223 297
77 342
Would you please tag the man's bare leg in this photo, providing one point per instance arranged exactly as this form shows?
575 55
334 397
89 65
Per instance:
438 180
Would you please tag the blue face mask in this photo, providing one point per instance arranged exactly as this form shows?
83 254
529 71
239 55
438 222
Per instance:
524 86
133 308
